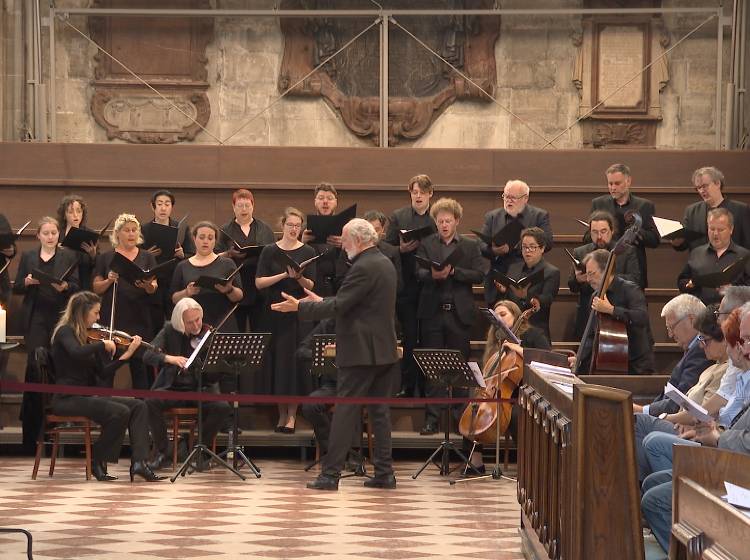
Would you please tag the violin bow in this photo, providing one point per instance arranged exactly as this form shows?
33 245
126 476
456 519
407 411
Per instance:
112 313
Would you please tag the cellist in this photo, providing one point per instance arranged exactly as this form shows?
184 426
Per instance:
625 302
530 337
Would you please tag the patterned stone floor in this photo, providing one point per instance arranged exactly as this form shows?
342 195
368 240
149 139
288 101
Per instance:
214 515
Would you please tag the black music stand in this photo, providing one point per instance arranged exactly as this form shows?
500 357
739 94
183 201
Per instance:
243 354
323 365
449 369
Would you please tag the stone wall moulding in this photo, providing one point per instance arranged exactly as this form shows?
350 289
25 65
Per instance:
169 54
620 102
421 86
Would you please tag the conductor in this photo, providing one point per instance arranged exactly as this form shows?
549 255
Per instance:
366 354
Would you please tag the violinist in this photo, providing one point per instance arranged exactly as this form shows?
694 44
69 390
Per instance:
177 340
625 302
72 212
132 302
90 364
531 337
42 305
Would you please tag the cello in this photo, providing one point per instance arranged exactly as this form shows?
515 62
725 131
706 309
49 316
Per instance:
609 351
481 422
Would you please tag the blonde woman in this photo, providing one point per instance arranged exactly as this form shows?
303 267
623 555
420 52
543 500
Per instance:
274 278
133 301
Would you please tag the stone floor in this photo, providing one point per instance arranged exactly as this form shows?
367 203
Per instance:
215 515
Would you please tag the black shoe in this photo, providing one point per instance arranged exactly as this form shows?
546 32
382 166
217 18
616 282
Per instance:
99 470
279 429
141 468
287 430
428 429
160 461
387 482
324 482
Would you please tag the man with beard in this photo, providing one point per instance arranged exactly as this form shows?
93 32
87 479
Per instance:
602 231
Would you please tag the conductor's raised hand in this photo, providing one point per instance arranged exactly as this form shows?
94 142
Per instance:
289 305
311 296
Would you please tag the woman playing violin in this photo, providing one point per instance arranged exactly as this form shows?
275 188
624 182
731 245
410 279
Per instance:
133 301
178 339
80 362
42 305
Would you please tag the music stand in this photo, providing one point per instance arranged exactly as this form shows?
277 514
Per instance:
323 365
449 369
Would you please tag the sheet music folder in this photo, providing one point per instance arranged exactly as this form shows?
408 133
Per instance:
324 226
529 280
131 272
509 234
48 279
723 277
163 237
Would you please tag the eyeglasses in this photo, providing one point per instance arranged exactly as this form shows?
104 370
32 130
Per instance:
718 313
513 198
704 340
671 328
703 186
529 248
243 206
293 226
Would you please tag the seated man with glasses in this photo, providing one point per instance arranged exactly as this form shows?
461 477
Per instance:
540 295
679 315
709 182
516 206
625 302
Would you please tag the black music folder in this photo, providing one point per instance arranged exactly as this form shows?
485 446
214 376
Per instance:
451 260
323 226
76 237
723 277
209 282
509 234
48 279
131 272
9 238
416 234
285 259
163 237
247 250
672 229
507 281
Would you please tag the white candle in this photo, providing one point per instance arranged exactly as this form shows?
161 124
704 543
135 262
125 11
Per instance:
2 324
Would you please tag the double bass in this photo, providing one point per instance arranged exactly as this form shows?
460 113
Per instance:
609 351
480 422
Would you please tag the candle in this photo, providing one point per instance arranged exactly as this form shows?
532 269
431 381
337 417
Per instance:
2 324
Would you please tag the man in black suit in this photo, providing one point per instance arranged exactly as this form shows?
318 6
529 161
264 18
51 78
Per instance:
539 295
446 302
366 354
515 207
720 252
620 202
709 183
625 302
414 216
601 230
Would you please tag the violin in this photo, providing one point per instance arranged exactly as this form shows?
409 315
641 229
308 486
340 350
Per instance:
480 422
121 339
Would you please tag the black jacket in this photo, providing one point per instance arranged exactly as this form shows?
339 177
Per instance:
696 216
457 288
703 261
365 311
649 236
406 218
545 291
395 257
630 307
684 375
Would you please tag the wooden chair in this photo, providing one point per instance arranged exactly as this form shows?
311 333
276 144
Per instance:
52 424
183 419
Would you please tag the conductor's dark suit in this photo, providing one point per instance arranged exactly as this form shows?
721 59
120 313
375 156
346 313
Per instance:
366 356
630 308
494 221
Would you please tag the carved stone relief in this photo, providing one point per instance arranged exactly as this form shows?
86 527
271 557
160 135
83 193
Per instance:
169 54
421 86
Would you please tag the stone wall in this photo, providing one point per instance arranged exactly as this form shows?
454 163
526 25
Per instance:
11 70
535 64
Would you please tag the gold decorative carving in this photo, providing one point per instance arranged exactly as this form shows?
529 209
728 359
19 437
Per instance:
169 54
421 86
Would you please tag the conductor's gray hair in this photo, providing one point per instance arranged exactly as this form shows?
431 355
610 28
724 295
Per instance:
183 305
682 306
362 232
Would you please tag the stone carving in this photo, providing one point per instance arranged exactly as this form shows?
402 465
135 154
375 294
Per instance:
421 86
169 54
612 52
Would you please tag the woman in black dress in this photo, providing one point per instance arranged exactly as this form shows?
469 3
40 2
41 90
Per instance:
72 212
78 362
42 305
133 301
273 276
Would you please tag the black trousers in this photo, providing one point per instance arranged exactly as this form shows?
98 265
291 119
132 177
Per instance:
362 381
114 415
319 416
215 415
411 377
446 331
